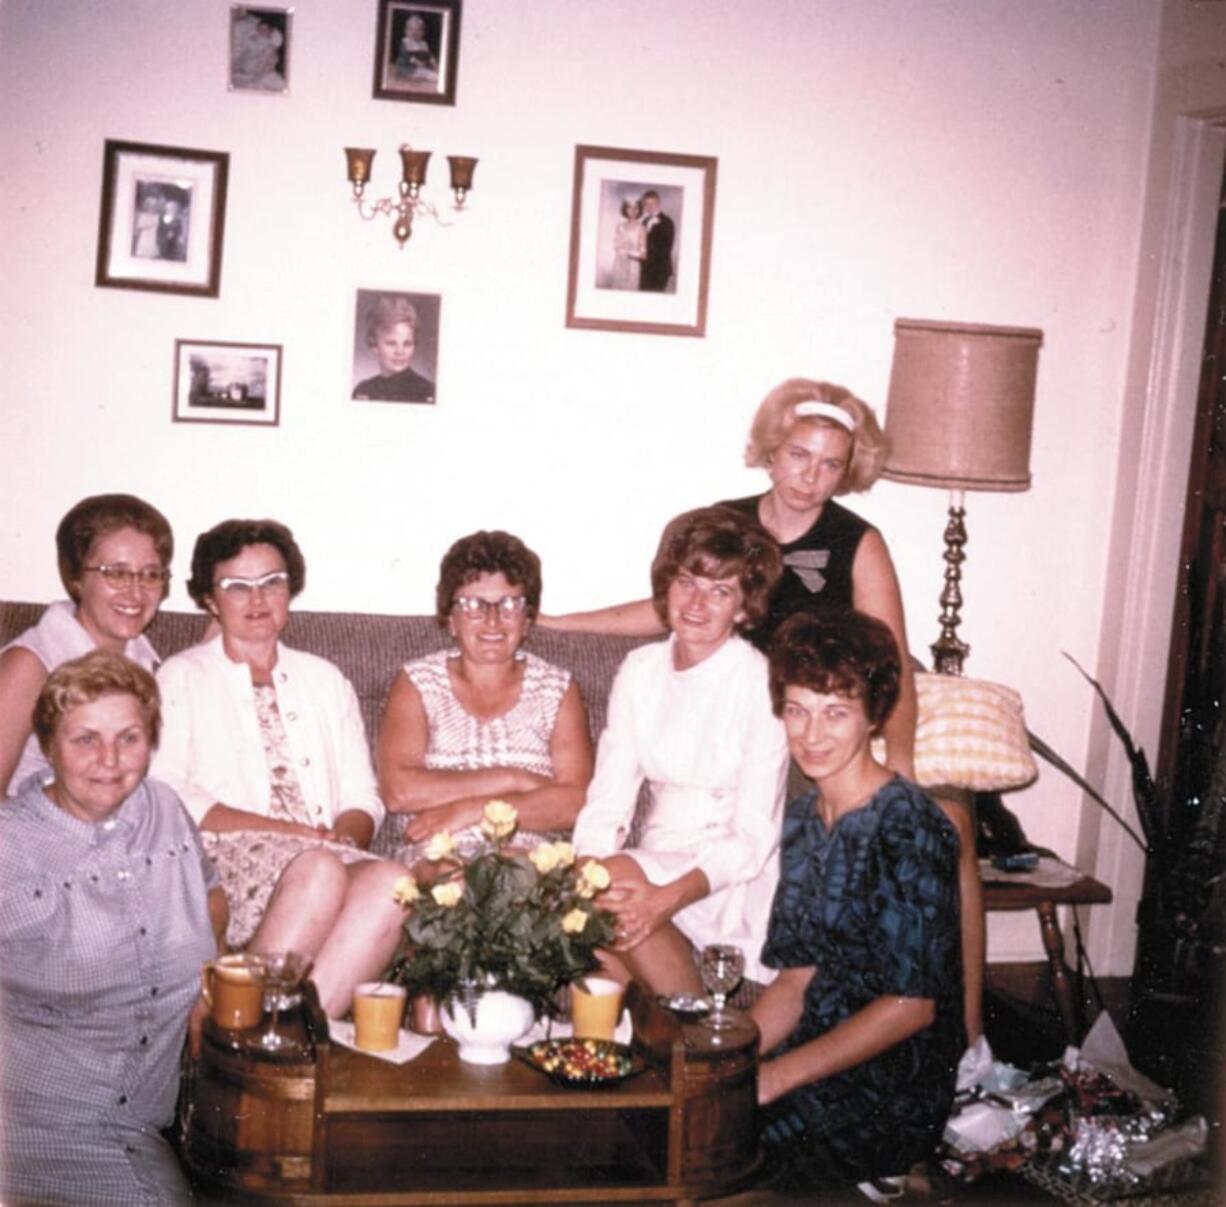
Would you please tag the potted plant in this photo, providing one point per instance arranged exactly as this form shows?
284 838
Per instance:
503 923
1182 912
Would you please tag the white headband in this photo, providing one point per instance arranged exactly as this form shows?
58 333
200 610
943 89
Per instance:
825 410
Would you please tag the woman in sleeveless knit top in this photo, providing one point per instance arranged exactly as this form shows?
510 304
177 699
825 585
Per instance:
485 719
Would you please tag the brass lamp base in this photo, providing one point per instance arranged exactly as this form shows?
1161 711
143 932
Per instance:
948 652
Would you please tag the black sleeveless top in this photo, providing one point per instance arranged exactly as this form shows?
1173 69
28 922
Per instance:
816 566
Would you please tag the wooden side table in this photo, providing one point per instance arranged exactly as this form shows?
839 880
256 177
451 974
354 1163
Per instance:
1037 890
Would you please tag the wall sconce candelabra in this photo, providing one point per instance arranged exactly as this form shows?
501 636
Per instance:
959 416
410 202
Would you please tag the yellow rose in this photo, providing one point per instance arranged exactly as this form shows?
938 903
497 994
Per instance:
574 922
447 895
498 819
565 852
593 879
405 891
544 858
440 845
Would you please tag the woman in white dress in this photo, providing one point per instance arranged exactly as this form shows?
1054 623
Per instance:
265 746
629 246
485 719
692 717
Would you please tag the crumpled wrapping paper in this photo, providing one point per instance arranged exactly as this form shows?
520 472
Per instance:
1113 1127
994 1102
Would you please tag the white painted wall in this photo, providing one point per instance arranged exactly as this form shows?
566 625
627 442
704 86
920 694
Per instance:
979 160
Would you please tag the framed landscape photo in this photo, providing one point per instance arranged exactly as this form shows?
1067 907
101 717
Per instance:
259 49
417 51
640 241
220 382
162 219
395 346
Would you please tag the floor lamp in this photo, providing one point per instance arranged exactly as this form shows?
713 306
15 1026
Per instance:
959 416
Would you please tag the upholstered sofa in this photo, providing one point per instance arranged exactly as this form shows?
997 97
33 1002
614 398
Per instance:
971 735
370 649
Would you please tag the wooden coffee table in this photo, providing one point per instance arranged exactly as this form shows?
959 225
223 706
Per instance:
334 1126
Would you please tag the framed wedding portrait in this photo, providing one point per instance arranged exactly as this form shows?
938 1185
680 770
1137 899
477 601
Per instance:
162 218
221 382
640 241
259 49
417 51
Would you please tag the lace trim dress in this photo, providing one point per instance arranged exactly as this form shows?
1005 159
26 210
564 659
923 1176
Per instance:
458 741
250 862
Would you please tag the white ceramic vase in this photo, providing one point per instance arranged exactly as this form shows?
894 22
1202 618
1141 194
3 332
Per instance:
485 1034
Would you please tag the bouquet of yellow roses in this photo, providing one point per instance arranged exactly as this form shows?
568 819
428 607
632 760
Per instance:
525 922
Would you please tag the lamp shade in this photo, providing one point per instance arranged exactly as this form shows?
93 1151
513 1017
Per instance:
961 405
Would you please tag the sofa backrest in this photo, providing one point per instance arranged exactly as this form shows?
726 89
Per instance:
370 649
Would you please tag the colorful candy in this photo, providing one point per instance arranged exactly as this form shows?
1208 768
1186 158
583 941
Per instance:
582 1060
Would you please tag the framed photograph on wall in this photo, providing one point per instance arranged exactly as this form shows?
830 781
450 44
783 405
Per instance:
395 346
259 49
162 219
220 382
640 241
417 51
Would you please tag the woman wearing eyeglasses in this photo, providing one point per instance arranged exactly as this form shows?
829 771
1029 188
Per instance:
484 719
114 554
266 747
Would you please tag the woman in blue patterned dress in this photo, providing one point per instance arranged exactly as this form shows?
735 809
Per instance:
863 1027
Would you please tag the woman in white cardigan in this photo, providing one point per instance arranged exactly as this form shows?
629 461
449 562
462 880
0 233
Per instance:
266 747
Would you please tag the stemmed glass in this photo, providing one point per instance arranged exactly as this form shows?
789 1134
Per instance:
283 974
722 966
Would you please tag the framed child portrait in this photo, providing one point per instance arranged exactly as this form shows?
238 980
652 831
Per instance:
162 219
640 241
417 51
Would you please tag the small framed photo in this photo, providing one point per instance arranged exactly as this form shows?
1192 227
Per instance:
220 382
395 346
417 51
640 241
162 219
259 49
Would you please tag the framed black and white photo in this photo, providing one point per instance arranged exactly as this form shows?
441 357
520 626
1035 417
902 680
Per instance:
162 219
395 346
640 241
417 51
220 382
259 49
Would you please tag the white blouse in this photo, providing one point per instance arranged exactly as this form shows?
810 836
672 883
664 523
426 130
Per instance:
715 760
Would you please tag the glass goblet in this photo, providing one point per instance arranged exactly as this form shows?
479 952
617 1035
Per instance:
283 974
721 966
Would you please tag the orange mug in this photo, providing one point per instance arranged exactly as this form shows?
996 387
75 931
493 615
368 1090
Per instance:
234 989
